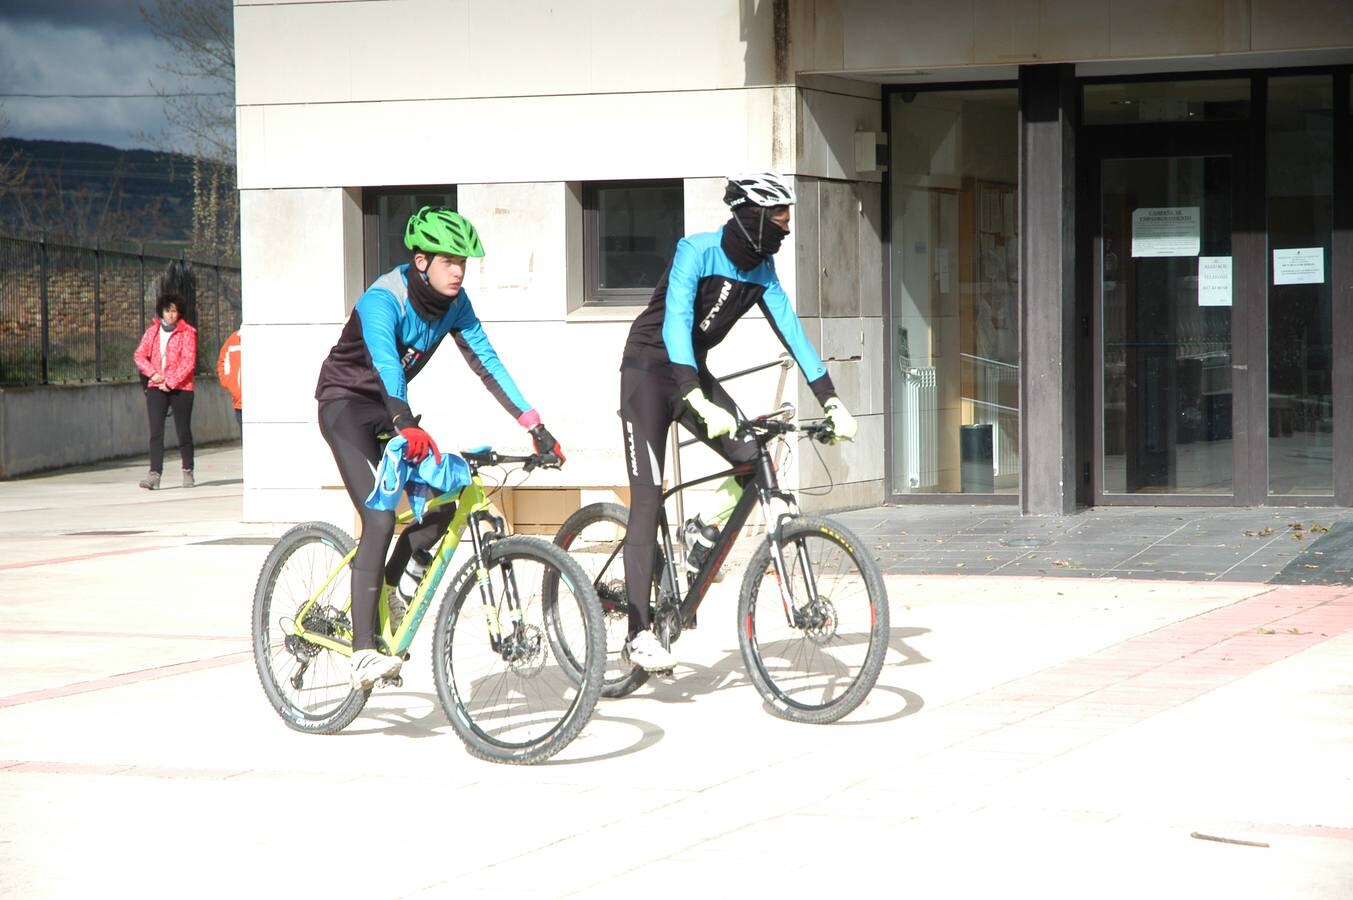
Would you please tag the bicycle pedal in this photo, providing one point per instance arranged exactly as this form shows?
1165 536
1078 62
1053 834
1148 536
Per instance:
393 681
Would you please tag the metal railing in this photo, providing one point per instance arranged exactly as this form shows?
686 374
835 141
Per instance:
72 313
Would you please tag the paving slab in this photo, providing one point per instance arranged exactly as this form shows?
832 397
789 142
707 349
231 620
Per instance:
1075 734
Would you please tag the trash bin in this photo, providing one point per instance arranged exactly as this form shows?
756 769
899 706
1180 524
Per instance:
975 454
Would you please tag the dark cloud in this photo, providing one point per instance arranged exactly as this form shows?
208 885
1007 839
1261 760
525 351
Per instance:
74 58
99 14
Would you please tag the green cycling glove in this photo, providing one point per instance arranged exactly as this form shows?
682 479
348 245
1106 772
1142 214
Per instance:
718 421
839 418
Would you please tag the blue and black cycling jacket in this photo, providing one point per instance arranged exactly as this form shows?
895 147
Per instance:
699 299
385 343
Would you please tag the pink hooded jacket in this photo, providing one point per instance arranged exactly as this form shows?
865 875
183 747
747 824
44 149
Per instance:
180 355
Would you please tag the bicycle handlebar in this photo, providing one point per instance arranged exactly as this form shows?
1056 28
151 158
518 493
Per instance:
777 422
477 458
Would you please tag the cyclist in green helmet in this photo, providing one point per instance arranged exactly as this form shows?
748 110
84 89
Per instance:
397 325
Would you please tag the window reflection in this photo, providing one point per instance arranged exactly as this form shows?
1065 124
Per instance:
955 285
1300 338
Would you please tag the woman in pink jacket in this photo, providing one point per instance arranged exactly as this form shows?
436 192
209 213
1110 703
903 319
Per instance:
166 357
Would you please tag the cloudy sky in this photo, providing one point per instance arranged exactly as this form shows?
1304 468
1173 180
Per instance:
81 47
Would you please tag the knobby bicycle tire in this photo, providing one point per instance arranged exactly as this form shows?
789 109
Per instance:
298 564
824 666
592 536
521 703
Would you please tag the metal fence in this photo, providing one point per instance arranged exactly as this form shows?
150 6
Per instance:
71 313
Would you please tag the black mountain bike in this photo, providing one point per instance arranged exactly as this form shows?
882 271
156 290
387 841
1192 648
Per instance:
812 611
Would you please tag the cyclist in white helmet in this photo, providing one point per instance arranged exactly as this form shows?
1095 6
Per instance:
715 277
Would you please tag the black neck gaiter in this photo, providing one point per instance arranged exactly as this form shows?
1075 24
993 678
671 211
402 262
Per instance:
738 248
429 304
754 237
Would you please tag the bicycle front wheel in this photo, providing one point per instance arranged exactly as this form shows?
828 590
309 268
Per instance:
306 683
816 661
499 679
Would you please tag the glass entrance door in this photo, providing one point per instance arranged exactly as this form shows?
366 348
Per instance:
1174 327
1166 301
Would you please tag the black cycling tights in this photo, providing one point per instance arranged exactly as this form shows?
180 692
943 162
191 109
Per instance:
649 402
352 427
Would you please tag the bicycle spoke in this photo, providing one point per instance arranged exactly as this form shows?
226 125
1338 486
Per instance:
308 684
521 697
823 663
597 548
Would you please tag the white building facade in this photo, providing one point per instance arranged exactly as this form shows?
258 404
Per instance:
953 163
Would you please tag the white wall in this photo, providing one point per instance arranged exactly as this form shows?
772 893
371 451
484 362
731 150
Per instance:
530 102
909 35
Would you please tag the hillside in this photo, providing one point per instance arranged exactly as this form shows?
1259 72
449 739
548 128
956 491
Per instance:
106 192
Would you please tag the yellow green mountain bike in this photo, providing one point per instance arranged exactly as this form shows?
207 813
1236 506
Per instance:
494 657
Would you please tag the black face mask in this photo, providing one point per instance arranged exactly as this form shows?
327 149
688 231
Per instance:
757 238
772 239
429 304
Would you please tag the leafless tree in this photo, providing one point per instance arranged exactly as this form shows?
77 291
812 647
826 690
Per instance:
42 202
13 167
201 34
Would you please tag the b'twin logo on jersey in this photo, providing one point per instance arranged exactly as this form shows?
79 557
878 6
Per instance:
718 305
411 356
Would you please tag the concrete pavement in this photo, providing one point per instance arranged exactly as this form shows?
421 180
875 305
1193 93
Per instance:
1046 735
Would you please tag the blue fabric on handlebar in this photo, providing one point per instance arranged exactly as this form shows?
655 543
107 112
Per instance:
422 482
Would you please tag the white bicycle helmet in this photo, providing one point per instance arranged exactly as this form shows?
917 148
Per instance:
760 189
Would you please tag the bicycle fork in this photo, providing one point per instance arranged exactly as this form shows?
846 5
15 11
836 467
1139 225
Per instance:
783 577
503 647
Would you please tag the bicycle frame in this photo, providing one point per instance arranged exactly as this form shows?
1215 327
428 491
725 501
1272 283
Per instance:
472 507
767 489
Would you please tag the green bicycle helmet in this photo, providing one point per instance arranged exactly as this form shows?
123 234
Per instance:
441 230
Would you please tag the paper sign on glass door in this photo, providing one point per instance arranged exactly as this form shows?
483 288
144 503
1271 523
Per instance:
1214 281
1300 265
1165 231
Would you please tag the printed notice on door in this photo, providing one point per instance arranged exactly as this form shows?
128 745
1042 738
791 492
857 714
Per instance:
1165 231
1214 281
1300 265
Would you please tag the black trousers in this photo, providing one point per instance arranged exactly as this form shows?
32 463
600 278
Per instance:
158 405
649 403
352 427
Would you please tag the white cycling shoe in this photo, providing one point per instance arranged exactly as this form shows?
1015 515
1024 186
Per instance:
370 666
647 652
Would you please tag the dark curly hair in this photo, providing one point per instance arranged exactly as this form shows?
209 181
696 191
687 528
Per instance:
165 300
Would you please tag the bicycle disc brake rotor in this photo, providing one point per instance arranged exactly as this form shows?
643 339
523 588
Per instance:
525 651
818 620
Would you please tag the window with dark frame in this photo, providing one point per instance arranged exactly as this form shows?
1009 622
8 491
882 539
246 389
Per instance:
630 231
385 213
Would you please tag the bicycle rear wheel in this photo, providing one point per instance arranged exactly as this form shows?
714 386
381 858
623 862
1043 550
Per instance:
594 536
519 702
823 665
307 684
